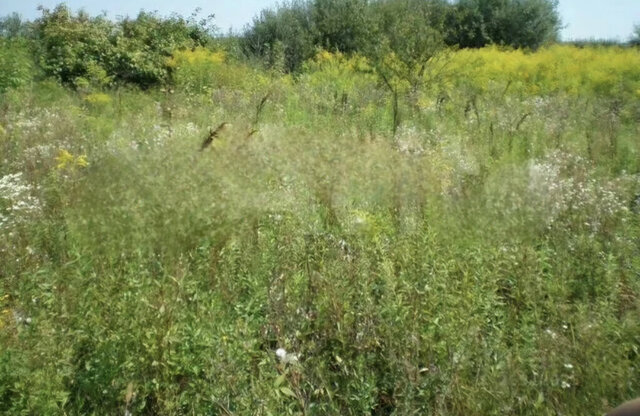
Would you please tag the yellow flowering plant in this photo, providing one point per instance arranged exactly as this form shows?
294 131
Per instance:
67 161
557 69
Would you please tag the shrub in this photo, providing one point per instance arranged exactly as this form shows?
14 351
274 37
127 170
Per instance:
80 48
16 64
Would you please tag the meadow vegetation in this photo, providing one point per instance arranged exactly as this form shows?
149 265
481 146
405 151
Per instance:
452 233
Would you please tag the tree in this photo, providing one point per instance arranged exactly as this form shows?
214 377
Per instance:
635 37
465 26
285 33
409 37
342 25
516 23
12 26
301 27
17 67
526 23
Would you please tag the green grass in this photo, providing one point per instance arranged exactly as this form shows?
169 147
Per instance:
475 264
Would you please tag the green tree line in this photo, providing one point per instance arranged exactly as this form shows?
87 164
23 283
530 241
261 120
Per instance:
292 32
80 50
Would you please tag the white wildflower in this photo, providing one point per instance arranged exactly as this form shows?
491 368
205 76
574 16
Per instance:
17 200
20 318
565 385
286 357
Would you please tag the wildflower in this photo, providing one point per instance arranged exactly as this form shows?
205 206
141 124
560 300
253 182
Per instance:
64 158
81 161
20 318
276 217
19 203
67 160
98 99
285 357
568 366
565 385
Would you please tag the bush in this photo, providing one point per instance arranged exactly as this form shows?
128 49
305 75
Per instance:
16 64
80 48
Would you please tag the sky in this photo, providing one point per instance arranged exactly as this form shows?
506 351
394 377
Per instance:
583 19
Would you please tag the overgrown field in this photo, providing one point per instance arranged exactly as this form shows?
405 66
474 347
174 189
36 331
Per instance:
484 260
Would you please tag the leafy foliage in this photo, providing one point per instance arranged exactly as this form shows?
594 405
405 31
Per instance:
16 64
348 26
12 26
516 23
343 25
74 48
283 36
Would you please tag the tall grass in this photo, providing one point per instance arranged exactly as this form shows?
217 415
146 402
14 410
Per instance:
482 261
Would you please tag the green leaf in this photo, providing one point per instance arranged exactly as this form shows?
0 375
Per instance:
279 380
287 391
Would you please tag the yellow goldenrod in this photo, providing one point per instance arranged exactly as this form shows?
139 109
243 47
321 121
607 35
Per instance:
81 161
64 159
557 69
67 161
199 56
98 99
